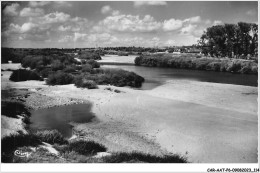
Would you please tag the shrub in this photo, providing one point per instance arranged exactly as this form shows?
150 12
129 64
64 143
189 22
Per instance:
215 66
140 157
138 60
86 147
93 63
51 136
89 55
86 68
24 75
84 83
59 78
46 72
57 65
69 69
12 109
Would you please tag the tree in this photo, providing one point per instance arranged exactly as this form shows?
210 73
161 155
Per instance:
230 39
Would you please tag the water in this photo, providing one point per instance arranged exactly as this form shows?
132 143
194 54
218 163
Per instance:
59 118
155 76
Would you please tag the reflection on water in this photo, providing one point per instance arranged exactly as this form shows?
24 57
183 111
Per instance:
155 76
59 117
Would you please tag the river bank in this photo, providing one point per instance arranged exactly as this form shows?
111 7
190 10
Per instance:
207 122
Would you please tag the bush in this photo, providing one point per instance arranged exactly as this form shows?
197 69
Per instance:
57 65
51 136
24 75
86 147
46 72
140 157
89 55
59 78
116 77
80 81
69 69
93 63
12 109
86 68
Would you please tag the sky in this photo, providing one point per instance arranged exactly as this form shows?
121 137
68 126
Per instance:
66 24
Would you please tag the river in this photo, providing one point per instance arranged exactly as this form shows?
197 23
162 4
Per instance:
155 76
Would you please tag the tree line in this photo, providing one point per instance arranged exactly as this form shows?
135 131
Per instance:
230 40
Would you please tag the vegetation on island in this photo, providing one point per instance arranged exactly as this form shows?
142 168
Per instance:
62 69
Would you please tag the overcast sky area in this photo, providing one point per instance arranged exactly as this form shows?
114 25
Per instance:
89 24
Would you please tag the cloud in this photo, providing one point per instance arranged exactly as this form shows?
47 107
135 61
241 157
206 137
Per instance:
128 23
172 24
55 17
106 9
27 27
79 36
38 3
217 22
141 3
195 19
56 4
31 12
64 28
66 38
11 10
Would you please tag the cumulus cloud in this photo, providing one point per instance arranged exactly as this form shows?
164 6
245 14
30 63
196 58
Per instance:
55 17
141 3
195 19
217 22
79 36
11 10
129 23
31 12
106 9
64 28
188 29
172 24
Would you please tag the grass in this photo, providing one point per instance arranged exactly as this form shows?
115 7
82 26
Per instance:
76 151
135 157
86 147
51 137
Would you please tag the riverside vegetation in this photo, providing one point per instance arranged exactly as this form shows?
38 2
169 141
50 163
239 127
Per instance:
196 62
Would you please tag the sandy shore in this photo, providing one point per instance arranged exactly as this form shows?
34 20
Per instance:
118 59
206 122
